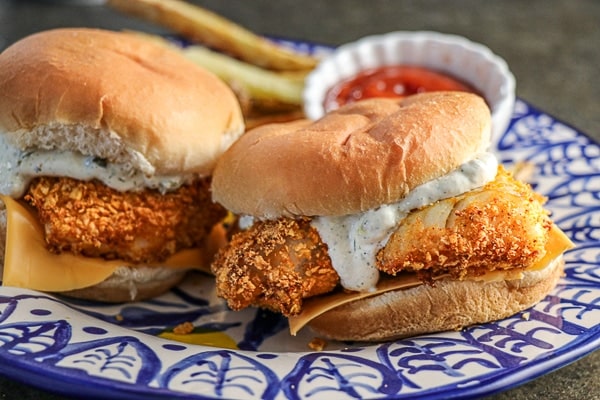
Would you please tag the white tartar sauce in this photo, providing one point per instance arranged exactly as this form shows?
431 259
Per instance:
18 167
354 240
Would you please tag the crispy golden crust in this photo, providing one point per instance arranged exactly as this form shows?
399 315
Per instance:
92 219
501 226
275 265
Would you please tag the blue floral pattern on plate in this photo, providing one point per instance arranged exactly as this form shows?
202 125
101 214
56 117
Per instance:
82 348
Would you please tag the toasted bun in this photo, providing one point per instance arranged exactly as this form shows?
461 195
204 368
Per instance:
130 284
449 305
115 96
356 158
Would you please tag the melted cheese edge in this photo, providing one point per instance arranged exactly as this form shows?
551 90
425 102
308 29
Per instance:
557 244
28 264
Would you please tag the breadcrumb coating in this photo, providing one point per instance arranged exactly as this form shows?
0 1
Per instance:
274 265
185 328
89 218
498 227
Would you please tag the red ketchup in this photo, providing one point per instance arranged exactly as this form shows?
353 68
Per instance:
391 81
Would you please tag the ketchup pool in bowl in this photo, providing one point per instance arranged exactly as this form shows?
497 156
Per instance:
401 63
391 81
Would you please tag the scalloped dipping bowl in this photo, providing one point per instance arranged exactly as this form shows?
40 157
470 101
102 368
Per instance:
453 55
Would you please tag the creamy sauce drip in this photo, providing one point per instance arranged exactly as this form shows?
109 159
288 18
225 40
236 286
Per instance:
18 167
354 240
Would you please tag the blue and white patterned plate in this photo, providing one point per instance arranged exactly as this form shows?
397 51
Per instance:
114 351
129 351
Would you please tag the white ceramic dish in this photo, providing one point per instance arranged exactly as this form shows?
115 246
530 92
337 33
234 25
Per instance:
454 55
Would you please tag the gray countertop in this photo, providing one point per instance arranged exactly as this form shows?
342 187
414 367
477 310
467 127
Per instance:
552 47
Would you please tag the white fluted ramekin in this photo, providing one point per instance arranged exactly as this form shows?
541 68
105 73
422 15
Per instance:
454 55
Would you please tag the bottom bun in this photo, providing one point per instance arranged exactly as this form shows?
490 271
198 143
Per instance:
449 305
130 284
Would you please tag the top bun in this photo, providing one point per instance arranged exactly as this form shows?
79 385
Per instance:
116 96
356 158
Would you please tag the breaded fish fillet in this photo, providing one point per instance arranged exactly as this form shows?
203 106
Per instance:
274 265
500 226
277 264
92 219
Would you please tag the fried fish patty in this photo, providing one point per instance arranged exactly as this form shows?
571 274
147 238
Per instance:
501 226
274 265
89 218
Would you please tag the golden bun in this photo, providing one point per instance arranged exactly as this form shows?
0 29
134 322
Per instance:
353 159
449 305
116 96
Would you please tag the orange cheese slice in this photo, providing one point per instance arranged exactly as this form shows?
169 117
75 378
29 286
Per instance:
315 306
557 244
28 264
